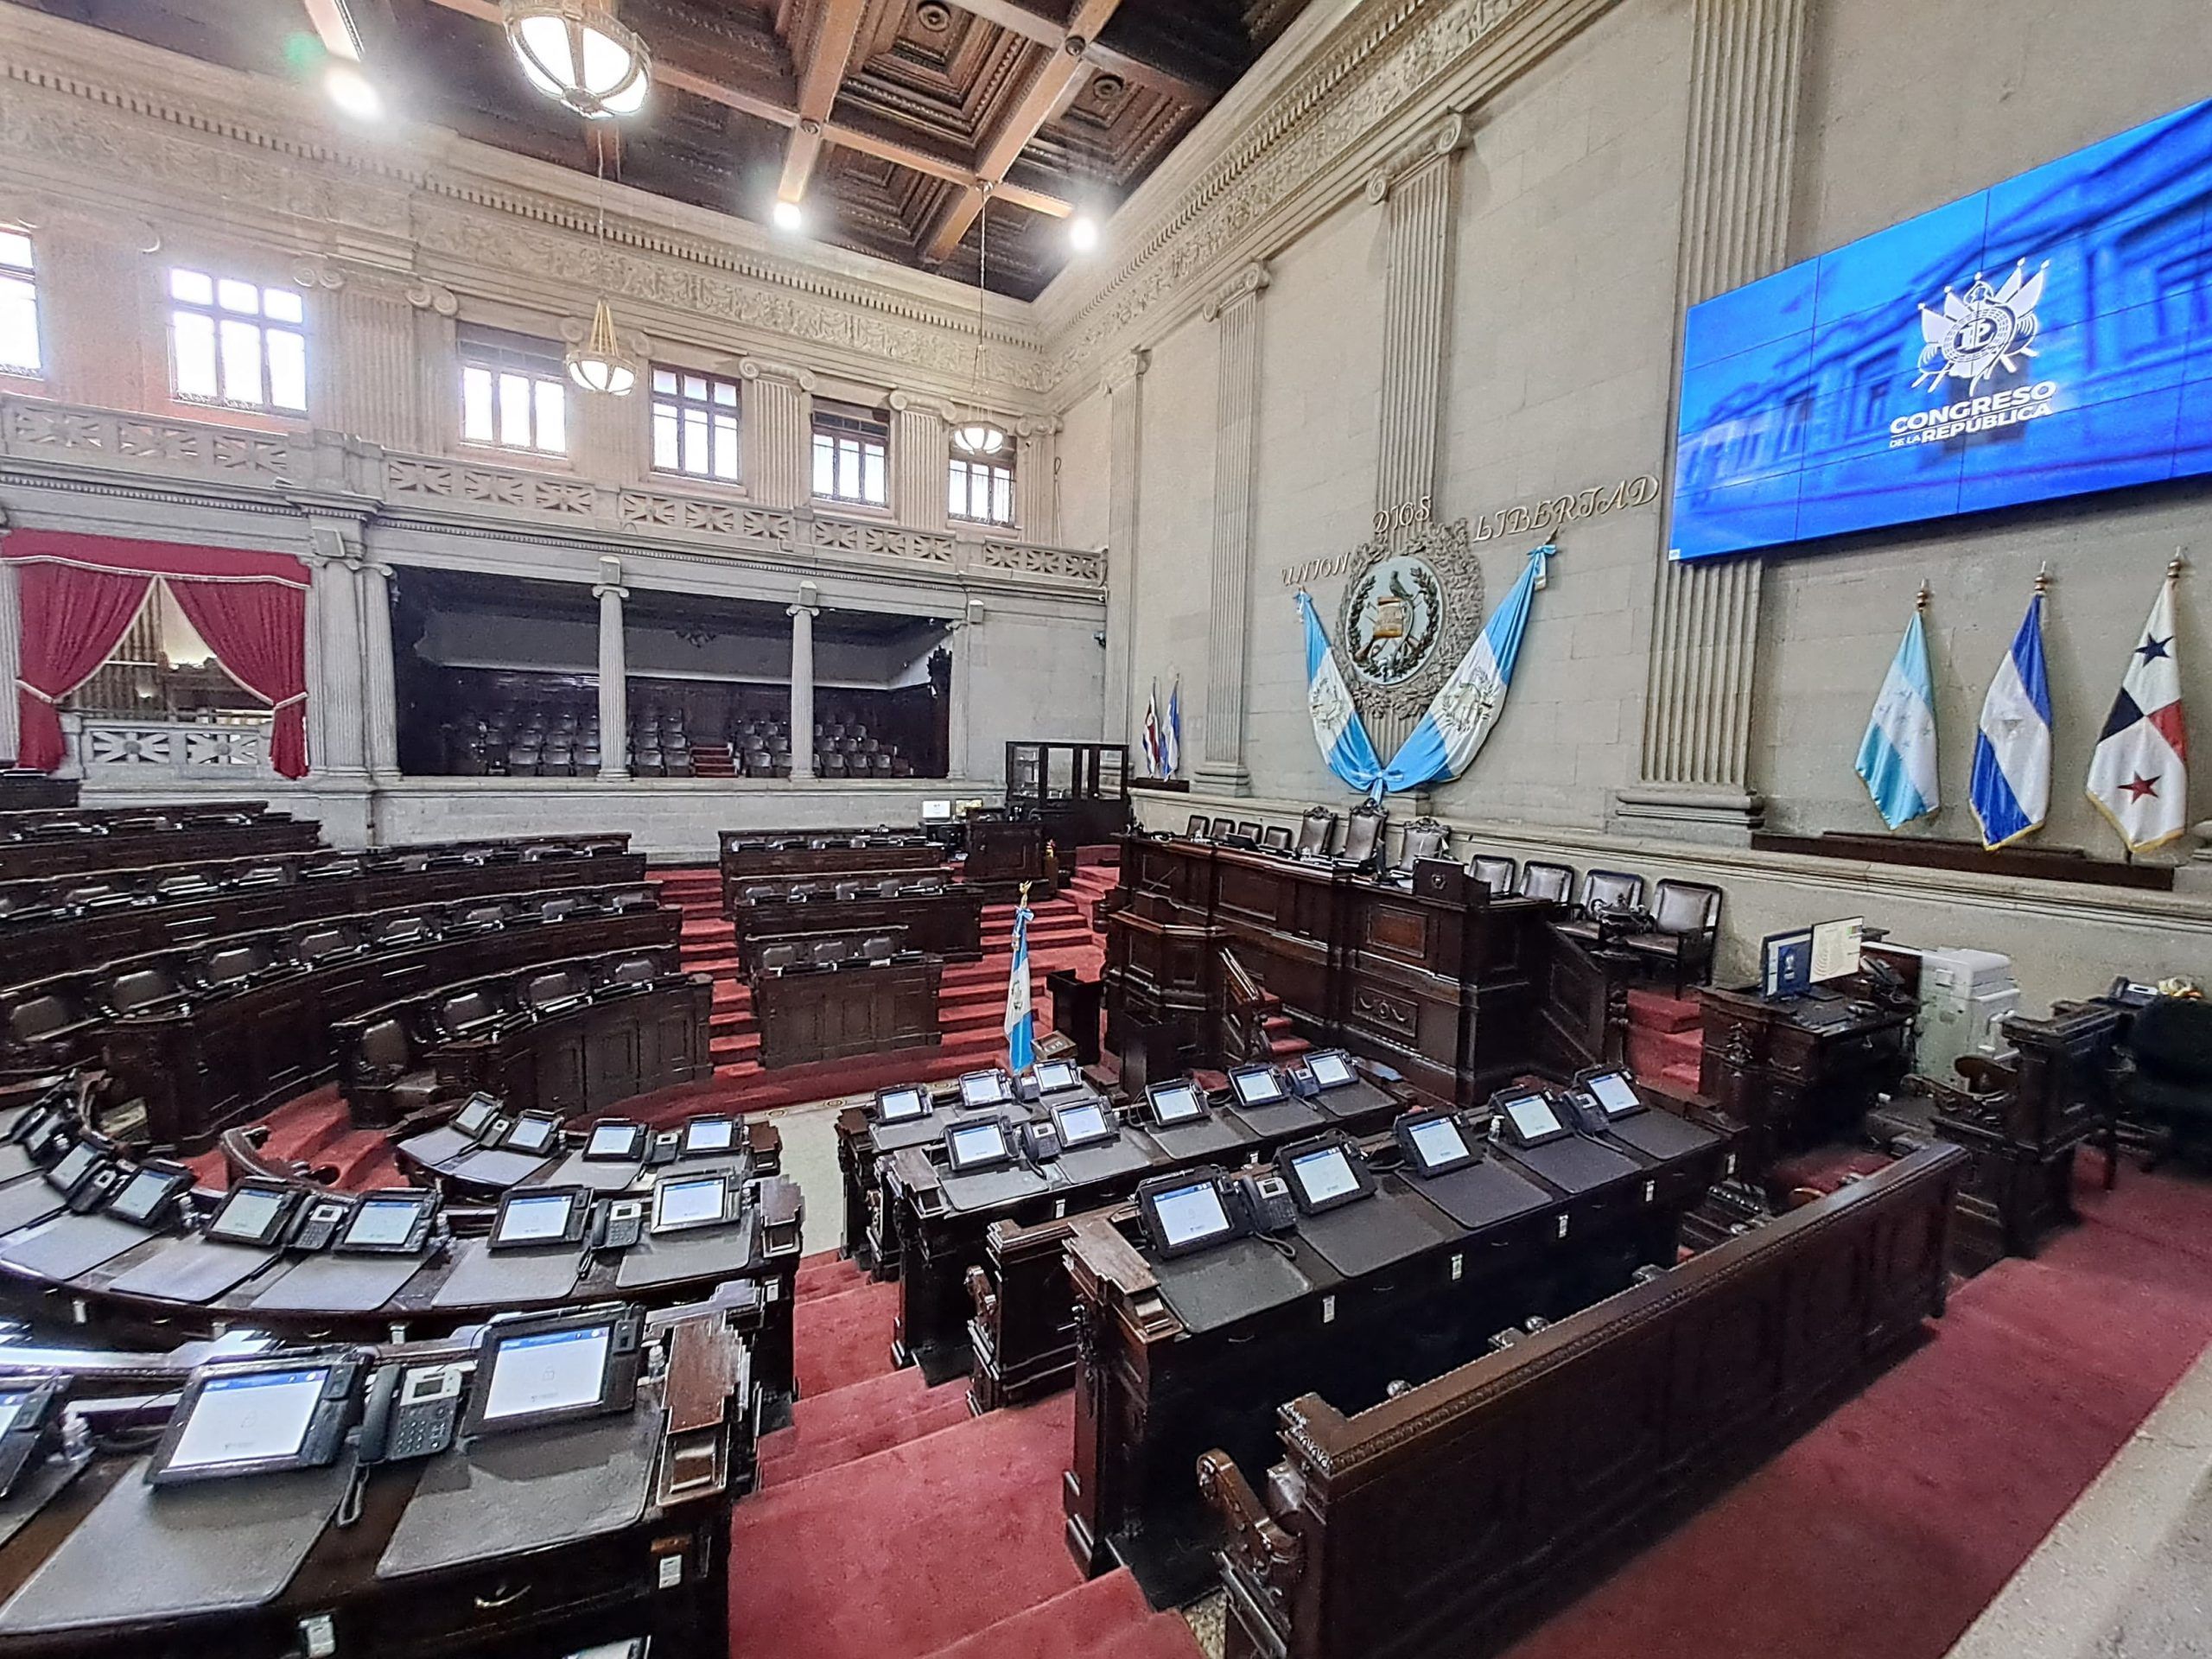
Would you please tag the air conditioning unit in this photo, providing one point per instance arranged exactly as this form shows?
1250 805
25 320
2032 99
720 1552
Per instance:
1964 997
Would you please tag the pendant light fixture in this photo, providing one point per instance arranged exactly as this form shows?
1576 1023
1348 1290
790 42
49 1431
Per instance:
576 51
600 364
976 433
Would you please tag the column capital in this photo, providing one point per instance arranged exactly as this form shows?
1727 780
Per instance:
755 368
803 610
1126 370
1241 289
601 589
1439 142
427 296
919 403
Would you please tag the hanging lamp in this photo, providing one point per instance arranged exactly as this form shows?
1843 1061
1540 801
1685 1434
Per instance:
600 364
576 51
976 433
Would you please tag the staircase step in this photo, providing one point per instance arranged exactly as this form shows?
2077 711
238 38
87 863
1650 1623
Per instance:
939 1408
1104 1618
1657 1012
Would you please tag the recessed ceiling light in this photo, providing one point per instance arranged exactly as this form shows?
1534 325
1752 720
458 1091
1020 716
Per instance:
787 215
353 92
1083 232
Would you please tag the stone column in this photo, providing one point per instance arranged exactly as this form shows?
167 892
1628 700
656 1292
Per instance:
777 435
1693 779
381 687
1420 190
920 452
436 366
1235 313
962 643
613 675
802 615
336 687
1036 480
1125 388
361 357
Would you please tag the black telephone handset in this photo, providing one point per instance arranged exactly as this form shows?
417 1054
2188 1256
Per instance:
1583 1112
1268 1205
1040 1142
95 1191
318 1227
1304 1083
622 1225
663 1149
413 1411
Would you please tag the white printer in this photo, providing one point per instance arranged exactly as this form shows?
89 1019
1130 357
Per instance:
1964 997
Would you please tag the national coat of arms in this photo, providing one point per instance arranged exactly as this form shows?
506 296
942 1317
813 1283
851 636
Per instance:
1412 604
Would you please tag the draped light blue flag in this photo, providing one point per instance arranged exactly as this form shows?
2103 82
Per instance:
1897 757
1021 1036
1171 734
2012 755
1338 727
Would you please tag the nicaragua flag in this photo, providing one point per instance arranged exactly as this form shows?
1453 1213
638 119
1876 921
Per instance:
1337 728
1897 758
1021 1035
1171 734
2011 756
1444 743
2139 777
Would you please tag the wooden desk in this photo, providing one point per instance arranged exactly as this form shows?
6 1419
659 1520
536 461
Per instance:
33 852
662 1574
947 923
1003 853
1149 1390
748 857
1790 1082
843 1012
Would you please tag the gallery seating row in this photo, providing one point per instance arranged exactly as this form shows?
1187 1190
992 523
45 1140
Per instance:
566 1037
210 1034
1438 1523
77 840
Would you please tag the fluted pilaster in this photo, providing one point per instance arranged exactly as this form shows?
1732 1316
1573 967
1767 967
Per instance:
1694 771
1420 192
336 688
12 658
776 433
614 674
1125 468
1236 316
380 692
920 452
369 374
1036 479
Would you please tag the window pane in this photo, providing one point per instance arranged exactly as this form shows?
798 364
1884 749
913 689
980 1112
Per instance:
695 387
287 369
193 286
872 489
476 424
15 249
195 354
241 362
726 393
1002 496
958 492
665 436
18 326
552 417
282 305
695 441
825 465
664 380
241 298
726 449
514 411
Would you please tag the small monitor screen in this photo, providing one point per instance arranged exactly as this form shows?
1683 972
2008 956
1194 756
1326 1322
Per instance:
1836 949
140 1194
1330 1071
260 1417
611 1140
1438 1141
709 1134
246 1215
553 1371
1615 1093
528 1219
74 1165
475 1112
532 1134
1325 1175
901 1105
1082 1124
1053 1075
977 1143
382 1221
1532 1115
1786 963
983 1089
1257 1087
937 811
1190 1212
694 1202
1176 1102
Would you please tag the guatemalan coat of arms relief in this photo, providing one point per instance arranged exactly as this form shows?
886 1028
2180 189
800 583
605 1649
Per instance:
1411 609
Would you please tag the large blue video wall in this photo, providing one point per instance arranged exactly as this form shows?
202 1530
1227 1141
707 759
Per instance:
2046 337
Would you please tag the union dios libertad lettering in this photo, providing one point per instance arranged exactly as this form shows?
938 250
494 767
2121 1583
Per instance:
1519 519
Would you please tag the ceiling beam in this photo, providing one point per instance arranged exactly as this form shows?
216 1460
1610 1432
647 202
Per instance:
836 28
1017 19
1056 81
339 38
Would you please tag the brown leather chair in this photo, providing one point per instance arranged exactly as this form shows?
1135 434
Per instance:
1686 927
386 1080
1552 882
1314 829
1495 874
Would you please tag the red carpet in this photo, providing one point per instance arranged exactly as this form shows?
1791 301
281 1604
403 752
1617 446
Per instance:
844 1338
1889 1526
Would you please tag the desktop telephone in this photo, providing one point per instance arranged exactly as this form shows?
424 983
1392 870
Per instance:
412 1411
99 1184
30 1424
621 1224
1268 1205
665 1148
320 1223
1304 1083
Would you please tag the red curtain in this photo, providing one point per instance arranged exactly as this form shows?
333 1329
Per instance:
73 618
258 631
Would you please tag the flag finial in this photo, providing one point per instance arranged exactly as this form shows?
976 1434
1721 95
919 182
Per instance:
2043 580
1921 601
2179 563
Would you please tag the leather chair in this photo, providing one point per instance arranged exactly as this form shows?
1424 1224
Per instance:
2164 1073
1314 829
1275 838
1686 926
1603 893
1424 838
385 1060
831 953
1198 826
1494 874
1363 842
878 948
779 959
1548 881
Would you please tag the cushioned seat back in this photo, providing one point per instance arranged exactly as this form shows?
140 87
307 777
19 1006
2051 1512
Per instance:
1686 907
635 971
234 964
829 952
878 947
385 1045
321 943
1610 890
545 989
1495 874
1362 833
2172 1039
1551 881
466 1009
1423 841
779 956
40 1016
142 988
1314 831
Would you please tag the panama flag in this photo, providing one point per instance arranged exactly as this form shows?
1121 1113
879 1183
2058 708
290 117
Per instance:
1171 734
1337 728
2011 756
2140 775
1897 758
1020 1037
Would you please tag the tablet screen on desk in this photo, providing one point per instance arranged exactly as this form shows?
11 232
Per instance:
983 1089
1053 1075
1438 1142
143 1193
1256 1085
707 1134
1615 1093
613 1141
383 1222
1332 1069
548 1371
1532 1116
696 1201
526 1220
75 1165
1083 1124
532 1134
973 1145
900 1105
1190 1213
259 1418
475 1112
1175 1102
245 1216
1324 1174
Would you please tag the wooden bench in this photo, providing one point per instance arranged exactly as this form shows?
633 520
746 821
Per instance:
1437 1524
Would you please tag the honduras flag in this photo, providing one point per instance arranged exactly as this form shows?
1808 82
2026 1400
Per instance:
2011 757
1444 744
1338 727
1021 1036
1897 757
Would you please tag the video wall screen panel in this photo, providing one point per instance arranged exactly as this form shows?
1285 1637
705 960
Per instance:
2047 337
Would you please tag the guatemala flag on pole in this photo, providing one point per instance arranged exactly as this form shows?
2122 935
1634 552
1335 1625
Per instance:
1021 1035
1338 727
1444 743
2011 757
1897 758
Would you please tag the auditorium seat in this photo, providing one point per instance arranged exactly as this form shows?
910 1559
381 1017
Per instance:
1686 926
779 959
1495 874
2166 1075
386 1058
1548 881
1314 828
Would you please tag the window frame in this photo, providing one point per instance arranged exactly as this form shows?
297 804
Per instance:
24 276
863 431
992 470
713 413
265 323
502 355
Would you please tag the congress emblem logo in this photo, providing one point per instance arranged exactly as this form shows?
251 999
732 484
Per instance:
1984 330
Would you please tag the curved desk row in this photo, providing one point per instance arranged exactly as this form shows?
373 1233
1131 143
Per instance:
61 846
946 919
748 855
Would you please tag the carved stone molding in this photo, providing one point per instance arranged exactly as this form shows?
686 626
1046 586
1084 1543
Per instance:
318 270
1125 370
1247 284
1447 138
435 297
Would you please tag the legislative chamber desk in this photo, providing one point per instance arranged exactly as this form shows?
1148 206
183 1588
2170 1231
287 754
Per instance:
528 1545
68 843
1440 988
942 1232
1526 1235
843 1012
757 856
946 921
1004 853
1795 1071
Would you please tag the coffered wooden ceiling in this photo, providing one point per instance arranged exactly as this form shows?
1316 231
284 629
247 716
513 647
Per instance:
887 116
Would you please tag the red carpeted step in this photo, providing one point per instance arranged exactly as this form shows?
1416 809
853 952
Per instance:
1106 1618
937 1410
1657 1012
1678 1056
843 1338
826 1275
899 1555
